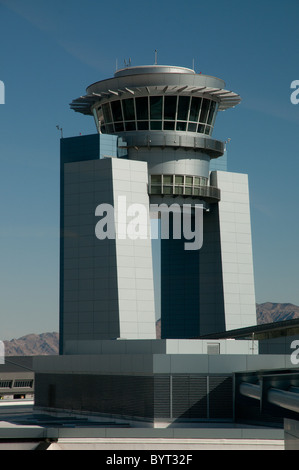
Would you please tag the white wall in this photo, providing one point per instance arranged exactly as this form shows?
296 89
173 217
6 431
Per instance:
236 249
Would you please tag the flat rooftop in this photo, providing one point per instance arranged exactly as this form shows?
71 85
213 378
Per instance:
24 428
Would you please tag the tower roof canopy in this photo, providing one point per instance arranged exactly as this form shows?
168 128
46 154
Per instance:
153 80
151 69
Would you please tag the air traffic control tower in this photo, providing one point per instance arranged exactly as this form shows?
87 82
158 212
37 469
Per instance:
154 145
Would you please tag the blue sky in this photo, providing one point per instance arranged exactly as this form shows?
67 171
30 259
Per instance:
51 51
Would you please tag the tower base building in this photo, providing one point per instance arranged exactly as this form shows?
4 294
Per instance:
121 273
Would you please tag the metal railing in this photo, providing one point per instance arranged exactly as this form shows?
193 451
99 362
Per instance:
281 390
205 192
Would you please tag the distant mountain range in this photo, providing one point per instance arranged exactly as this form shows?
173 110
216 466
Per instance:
269 312
48 343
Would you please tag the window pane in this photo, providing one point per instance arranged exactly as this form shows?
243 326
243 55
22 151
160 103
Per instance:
130 126
156 125
181 126
204 110
155 189
128 107
170 107
196 181
188 191
142 125
192 127
215 114
142 108
183 108
167 179
109 128
116 111
201 129
167 190
107 113
179 180
207 130
156 179
179 190
169 125
156 107
195 107
211 112
119 127
189 180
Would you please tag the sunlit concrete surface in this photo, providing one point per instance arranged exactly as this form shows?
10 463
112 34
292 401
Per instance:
167 444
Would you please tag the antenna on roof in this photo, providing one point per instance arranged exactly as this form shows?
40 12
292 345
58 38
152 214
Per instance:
127 64
156 57
193 65
61 130
226 143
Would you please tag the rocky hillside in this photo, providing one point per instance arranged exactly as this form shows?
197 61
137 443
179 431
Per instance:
33 345
48 343
269 312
